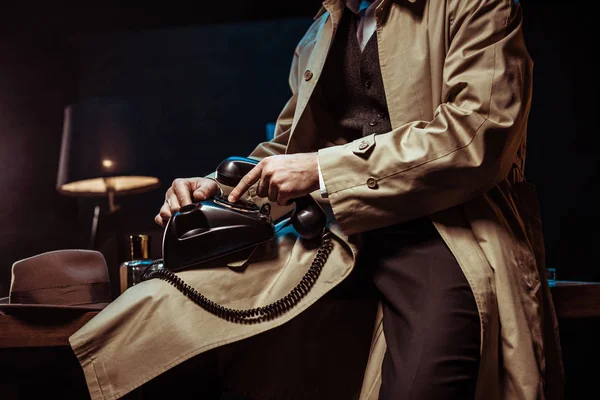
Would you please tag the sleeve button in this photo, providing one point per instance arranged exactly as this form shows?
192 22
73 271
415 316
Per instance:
308 75
363 145
372 183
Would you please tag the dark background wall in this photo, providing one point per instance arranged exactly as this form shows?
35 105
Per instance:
35 80
563 148
210 83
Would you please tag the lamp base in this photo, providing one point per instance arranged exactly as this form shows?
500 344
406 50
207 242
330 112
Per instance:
92 244
112 207
108 241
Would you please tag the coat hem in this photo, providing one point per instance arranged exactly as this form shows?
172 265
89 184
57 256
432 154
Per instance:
94 377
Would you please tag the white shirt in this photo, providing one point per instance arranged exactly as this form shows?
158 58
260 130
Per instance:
365 29
367 23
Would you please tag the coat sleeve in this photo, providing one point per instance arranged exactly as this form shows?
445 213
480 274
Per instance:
466 149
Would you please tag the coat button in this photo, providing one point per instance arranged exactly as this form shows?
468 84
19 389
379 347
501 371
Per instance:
363 145
372 183
372 123
367 84
308 75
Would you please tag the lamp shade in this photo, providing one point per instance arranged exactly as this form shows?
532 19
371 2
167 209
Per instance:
102 150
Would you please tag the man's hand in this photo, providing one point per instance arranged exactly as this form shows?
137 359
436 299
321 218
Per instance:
281 178
182 192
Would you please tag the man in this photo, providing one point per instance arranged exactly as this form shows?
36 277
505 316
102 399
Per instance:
409 119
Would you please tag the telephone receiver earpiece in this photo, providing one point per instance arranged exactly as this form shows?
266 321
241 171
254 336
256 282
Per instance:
307 217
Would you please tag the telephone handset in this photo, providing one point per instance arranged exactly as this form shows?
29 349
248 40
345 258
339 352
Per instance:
211 232
216 228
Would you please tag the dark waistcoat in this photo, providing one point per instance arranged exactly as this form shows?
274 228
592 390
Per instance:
351 86
350 101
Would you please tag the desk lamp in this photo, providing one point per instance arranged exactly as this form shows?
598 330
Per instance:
99 154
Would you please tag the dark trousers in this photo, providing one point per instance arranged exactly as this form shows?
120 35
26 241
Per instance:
431 323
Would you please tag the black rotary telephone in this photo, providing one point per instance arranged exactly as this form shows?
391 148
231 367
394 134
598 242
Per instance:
211 232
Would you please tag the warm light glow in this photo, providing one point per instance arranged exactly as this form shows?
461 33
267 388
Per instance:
106 163
120 184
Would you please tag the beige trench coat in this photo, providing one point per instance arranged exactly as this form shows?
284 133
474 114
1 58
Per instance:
457 78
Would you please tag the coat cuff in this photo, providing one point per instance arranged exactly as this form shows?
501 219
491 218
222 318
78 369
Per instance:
322 187
345 172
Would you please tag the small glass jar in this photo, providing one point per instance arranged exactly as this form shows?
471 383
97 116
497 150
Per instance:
130 271
551 274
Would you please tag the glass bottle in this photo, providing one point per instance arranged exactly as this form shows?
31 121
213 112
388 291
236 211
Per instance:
139 259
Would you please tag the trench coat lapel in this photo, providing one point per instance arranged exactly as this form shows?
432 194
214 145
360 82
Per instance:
394 68
310 73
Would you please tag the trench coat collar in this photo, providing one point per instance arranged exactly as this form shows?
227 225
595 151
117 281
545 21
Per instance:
335 5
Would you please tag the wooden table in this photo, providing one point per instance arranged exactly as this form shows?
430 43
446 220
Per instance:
576 299
37 358
40 331
571 299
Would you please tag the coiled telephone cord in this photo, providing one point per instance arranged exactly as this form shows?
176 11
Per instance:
251 315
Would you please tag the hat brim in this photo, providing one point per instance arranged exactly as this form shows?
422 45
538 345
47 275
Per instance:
14 309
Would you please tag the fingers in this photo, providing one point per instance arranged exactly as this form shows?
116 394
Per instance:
273 192
172 202
284 196
248 180
205 189
263 187
164 215
180 194
182 190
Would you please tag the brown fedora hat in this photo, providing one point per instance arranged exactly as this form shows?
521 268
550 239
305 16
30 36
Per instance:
70 279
